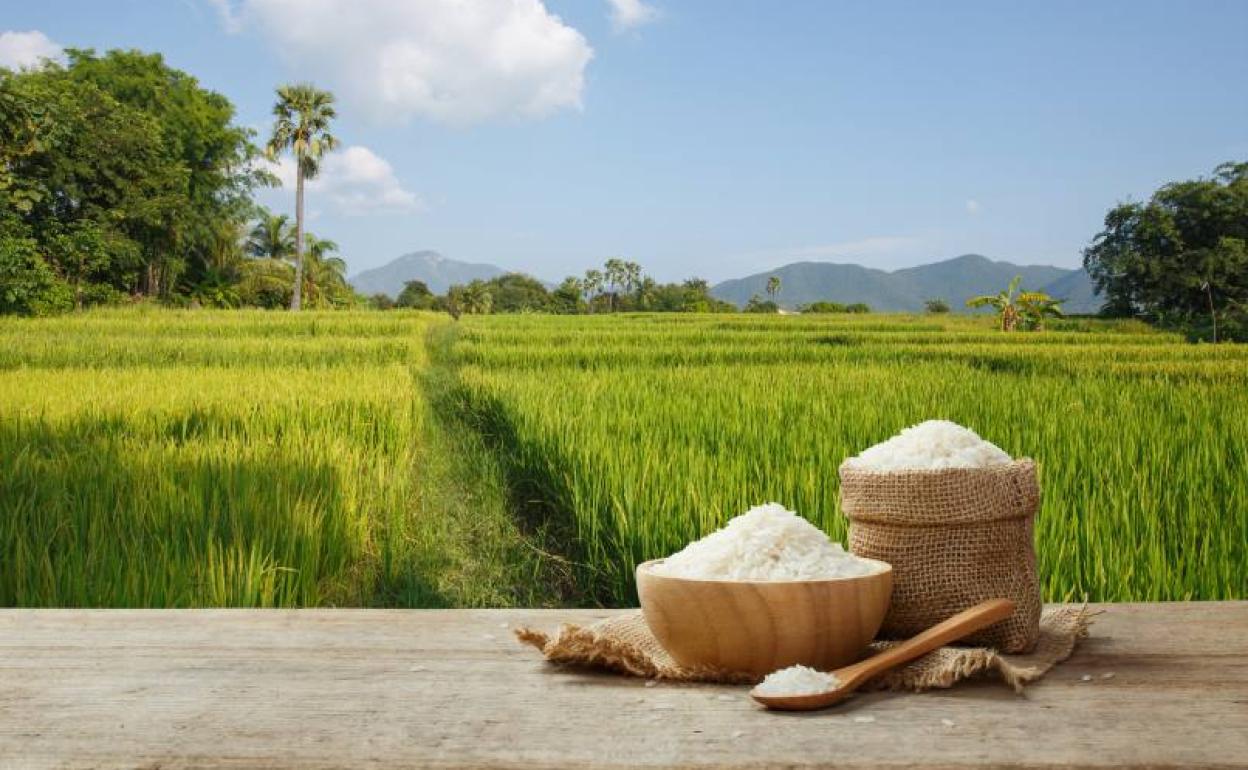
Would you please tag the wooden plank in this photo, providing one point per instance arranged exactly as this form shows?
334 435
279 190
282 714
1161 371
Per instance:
388 688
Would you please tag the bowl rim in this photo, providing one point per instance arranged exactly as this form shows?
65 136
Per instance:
648 567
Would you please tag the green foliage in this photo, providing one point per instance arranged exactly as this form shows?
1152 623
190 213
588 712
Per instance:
325 276
302 116
592 285
1181 258
691 296
834 307
621 278
758 305
381 302
566 298
936 306
773 286
217 289
271 236
266 283
824 307
1035 307
472 299
620 287
124 171
214 155
28 286
415 295
1019 309
18 139
517 293
84 252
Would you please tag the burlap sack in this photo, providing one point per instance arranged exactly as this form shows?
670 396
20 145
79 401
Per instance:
623 644
955 537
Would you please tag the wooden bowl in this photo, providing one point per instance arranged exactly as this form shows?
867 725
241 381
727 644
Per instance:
759 626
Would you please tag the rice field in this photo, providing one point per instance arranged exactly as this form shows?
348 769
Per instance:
194 458
187 459
644 432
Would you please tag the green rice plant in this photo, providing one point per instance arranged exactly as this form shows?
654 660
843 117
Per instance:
641 435
185 459
191 458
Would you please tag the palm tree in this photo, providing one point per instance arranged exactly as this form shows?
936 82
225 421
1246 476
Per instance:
1004 303
632 276
325 277
477 298
593 285
473 299
302 116
773 287
271 237
646 288
228 244
616 275
223 259
572 289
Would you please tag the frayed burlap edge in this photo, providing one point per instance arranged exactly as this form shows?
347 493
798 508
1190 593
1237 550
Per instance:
623 644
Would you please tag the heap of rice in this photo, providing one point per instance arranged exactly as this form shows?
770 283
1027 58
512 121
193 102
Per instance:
767 543
929 445
797 680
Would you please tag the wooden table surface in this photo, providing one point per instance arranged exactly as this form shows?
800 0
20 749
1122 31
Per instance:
389 688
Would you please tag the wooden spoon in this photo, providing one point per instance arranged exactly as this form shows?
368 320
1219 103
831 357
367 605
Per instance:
851 677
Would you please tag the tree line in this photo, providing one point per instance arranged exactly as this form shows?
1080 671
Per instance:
620 286
122 178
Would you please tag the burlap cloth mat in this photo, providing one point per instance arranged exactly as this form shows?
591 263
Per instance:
623 644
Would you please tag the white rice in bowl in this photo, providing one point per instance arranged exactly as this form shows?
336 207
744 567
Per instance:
766 543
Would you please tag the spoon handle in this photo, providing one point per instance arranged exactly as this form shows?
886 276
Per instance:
961 625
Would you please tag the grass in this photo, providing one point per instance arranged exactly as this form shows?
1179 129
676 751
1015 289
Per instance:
195 458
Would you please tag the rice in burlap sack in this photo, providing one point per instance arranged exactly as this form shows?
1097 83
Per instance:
623 644
955 537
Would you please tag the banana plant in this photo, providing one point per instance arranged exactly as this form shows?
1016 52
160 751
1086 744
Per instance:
1005 303
1035 306
1028 308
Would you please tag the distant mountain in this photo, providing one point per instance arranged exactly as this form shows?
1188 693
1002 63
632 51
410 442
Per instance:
954 280
431 267
1077 289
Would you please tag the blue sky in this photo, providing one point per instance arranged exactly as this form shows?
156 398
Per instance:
712 138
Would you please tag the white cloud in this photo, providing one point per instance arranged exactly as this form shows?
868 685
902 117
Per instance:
972 207
355 181
630 14
20 50
449 60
